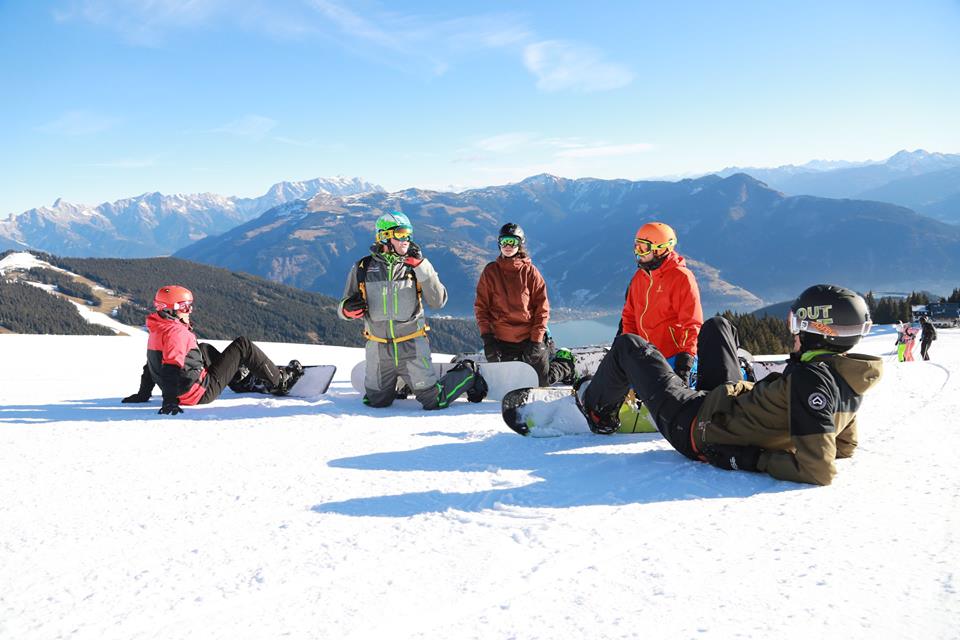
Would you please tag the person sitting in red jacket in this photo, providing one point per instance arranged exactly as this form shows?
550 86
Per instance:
189 372
663 301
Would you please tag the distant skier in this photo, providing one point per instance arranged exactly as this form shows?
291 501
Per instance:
790 425
190 373
910 334
511 306
663 301
928 336
901 341
386 290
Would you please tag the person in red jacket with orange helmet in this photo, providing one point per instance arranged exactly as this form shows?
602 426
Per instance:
663 301
189 372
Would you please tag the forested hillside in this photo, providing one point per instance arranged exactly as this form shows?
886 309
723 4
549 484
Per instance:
25 308
231 304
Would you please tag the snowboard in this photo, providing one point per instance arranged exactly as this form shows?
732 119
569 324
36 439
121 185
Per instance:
760 369
585 359
314 382
501 377
548 412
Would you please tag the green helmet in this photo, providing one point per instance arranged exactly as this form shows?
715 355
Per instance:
390 221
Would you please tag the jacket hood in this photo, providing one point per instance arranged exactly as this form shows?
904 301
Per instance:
858 370
515 263
156 322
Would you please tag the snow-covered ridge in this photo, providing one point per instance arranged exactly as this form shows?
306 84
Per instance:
154 224
24 261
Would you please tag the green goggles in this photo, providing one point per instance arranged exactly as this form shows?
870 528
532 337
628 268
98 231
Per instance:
509 241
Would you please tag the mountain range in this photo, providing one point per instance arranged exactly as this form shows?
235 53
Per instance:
152 224
748 240
745 241
927 182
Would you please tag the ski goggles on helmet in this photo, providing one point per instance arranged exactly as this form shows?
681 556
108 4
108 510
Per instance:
403 234
645 247
509 241
826 326
186 306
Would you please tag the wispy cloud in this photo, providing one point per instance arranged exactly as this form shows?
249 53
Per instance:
506 142
412 43
564 65
606 150
557 148
248 126
125 163
79 123
149 22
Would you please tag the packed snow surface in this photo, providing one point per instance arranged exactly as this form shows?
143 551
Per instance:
262 517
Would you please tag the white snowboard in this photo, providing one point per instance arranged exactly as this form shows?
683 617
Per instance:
314 382
501 377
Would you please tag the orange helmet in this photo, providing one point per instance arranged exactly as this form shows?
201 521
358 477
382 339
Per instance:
174 298
654 237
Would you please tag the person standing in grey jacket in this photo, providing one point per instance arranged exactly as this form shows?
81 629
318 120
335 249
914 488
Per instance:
387 289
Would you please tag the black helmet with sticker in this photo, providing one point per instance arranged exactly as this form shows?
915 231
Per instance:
826 316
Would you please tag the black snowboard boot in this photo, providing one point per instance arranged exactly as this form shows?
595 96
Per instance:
602 420
478 389
288 377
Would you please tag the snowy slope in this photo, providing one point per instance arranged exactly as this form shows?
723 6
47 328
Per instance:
259 517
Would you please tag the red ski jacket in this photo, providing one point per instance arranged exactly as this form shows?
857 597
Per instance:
663 307
174 359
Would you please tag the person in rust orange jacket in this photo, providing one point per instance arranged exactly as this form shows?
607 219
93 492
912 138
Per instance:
511 307
663 300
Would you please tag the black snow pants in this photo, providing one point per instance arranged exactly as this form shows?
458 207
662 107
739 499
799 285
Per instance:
635 363
222 367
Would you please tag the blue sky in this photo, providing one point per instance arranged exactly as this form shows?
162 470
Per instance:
104 99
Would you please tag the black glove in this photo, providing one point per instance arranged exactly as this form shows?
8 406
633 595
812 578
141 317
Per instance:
146 387
733 456
355 303
683 365
170 408
536 350
491 348
414 256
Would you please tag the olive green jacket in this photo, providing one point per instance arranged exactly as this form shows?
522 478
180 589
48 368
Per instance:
804 418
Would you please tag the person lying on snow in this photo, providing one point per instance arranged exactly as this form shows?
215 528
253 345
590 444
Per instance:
791 425
189 372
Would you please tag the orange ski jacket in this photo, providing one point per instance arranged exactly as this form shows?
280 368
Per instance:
663 307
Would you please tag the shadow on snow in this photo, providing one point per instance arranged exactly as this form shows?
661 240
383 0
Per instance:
564 472
112 410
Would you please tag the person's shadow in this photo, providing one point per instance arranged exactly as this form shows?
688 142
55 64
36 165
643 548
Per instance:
112 410
568 471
